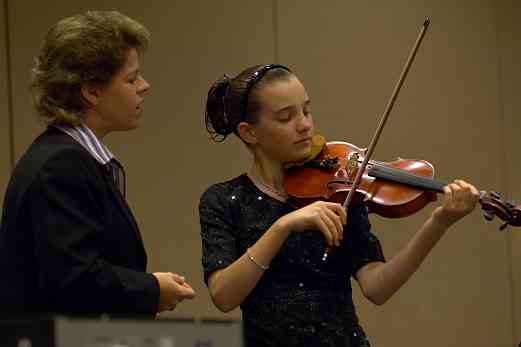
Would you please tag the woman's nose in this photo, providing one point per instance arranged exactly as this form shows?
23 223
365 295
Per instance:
144 85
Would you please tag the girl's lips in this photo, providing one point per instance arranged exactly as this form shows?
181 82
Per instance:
307 139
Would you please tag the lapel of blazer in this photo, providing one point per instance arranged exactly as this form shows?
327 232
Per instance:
122 203
66 139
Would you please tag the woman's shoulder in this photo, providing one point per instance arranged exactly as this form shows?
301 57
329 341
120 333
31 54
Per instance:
53 150
226 188
53 144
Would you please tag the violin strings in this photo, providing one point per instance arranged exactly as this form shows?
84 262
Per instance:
379 170
406 177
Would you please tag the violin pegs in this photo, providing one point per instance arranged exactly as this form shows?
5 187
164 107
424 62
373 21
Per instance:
495 195
489 215
511 204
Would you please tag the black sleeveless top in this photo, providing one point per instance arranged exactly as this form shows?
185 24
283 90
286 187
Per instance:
300 300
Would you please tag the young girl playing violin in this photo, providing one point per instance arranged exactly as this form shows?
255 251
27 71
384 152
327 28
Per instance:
263 255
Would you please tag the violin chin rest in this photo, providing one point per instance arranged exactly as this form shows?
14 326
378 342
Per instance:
317 144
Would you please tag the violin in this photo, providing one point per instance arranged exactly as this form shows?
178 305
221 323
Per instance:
390 189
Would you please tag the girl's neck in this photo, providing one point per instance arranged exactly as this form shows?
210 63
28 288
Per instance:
269 178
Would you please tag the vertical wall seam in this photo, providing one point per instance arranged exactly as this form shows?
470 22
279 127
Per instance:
505 177
9 86
275 22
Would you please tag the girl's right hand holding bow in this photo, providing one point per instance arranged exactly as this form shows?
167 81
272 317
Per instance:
327 217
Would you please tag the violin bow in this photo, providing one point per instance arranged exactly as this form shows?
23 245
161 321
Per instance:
383 120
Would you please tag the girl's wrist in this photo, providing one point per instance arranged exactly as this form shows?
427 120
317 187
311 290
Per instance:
282 226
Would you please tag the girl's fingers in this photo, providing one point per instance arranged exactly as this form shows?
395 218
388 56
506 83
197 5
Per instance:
338 231
338 210
322 226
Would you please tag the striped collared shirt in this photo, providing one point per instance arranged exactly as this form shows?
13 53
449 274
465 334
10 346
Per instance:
86 138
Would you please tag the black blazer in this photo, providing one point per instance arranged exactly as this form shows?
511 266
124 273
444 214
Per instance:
68 240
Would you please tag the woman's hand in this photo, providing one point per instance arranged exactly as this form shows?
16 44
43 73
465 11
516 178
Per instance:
172 290
328 217
460 199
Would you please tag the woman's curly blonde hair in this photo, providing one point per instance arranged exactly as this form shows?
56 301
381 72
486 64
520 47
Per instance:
89 47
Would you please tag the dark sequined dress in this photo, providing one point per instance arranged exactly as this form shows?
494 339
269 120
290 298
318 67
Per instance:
300 300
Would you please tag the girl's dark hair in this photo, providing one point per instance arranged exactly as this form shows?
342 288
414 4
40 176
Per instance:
234 100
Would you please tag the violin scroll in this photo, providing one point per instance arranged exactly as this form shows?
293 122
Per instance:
492 206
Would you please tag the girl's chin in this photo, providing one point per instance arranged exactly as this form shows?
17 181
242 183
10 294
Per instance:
297 159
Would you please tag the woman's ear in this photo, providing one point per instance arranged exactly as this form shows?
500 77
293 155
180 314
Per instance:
90 93
247 133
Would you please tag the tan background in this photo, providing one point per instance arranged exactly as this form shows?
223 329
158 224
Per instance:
510 107
5 136
458 109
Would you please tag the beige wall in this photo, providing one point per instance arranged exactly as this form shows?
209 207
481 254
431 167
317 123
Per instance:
455 109
509 54
5 152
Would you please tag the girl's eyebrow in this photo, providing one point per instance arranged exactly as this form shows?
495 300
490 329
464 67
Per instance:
306 103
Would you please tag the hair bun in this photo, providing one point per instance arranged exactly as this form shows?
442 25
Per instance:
223 84
217 122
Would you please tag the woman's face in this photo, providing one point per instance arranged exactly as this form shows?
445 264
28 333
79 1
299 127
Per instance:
284 125
119 104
